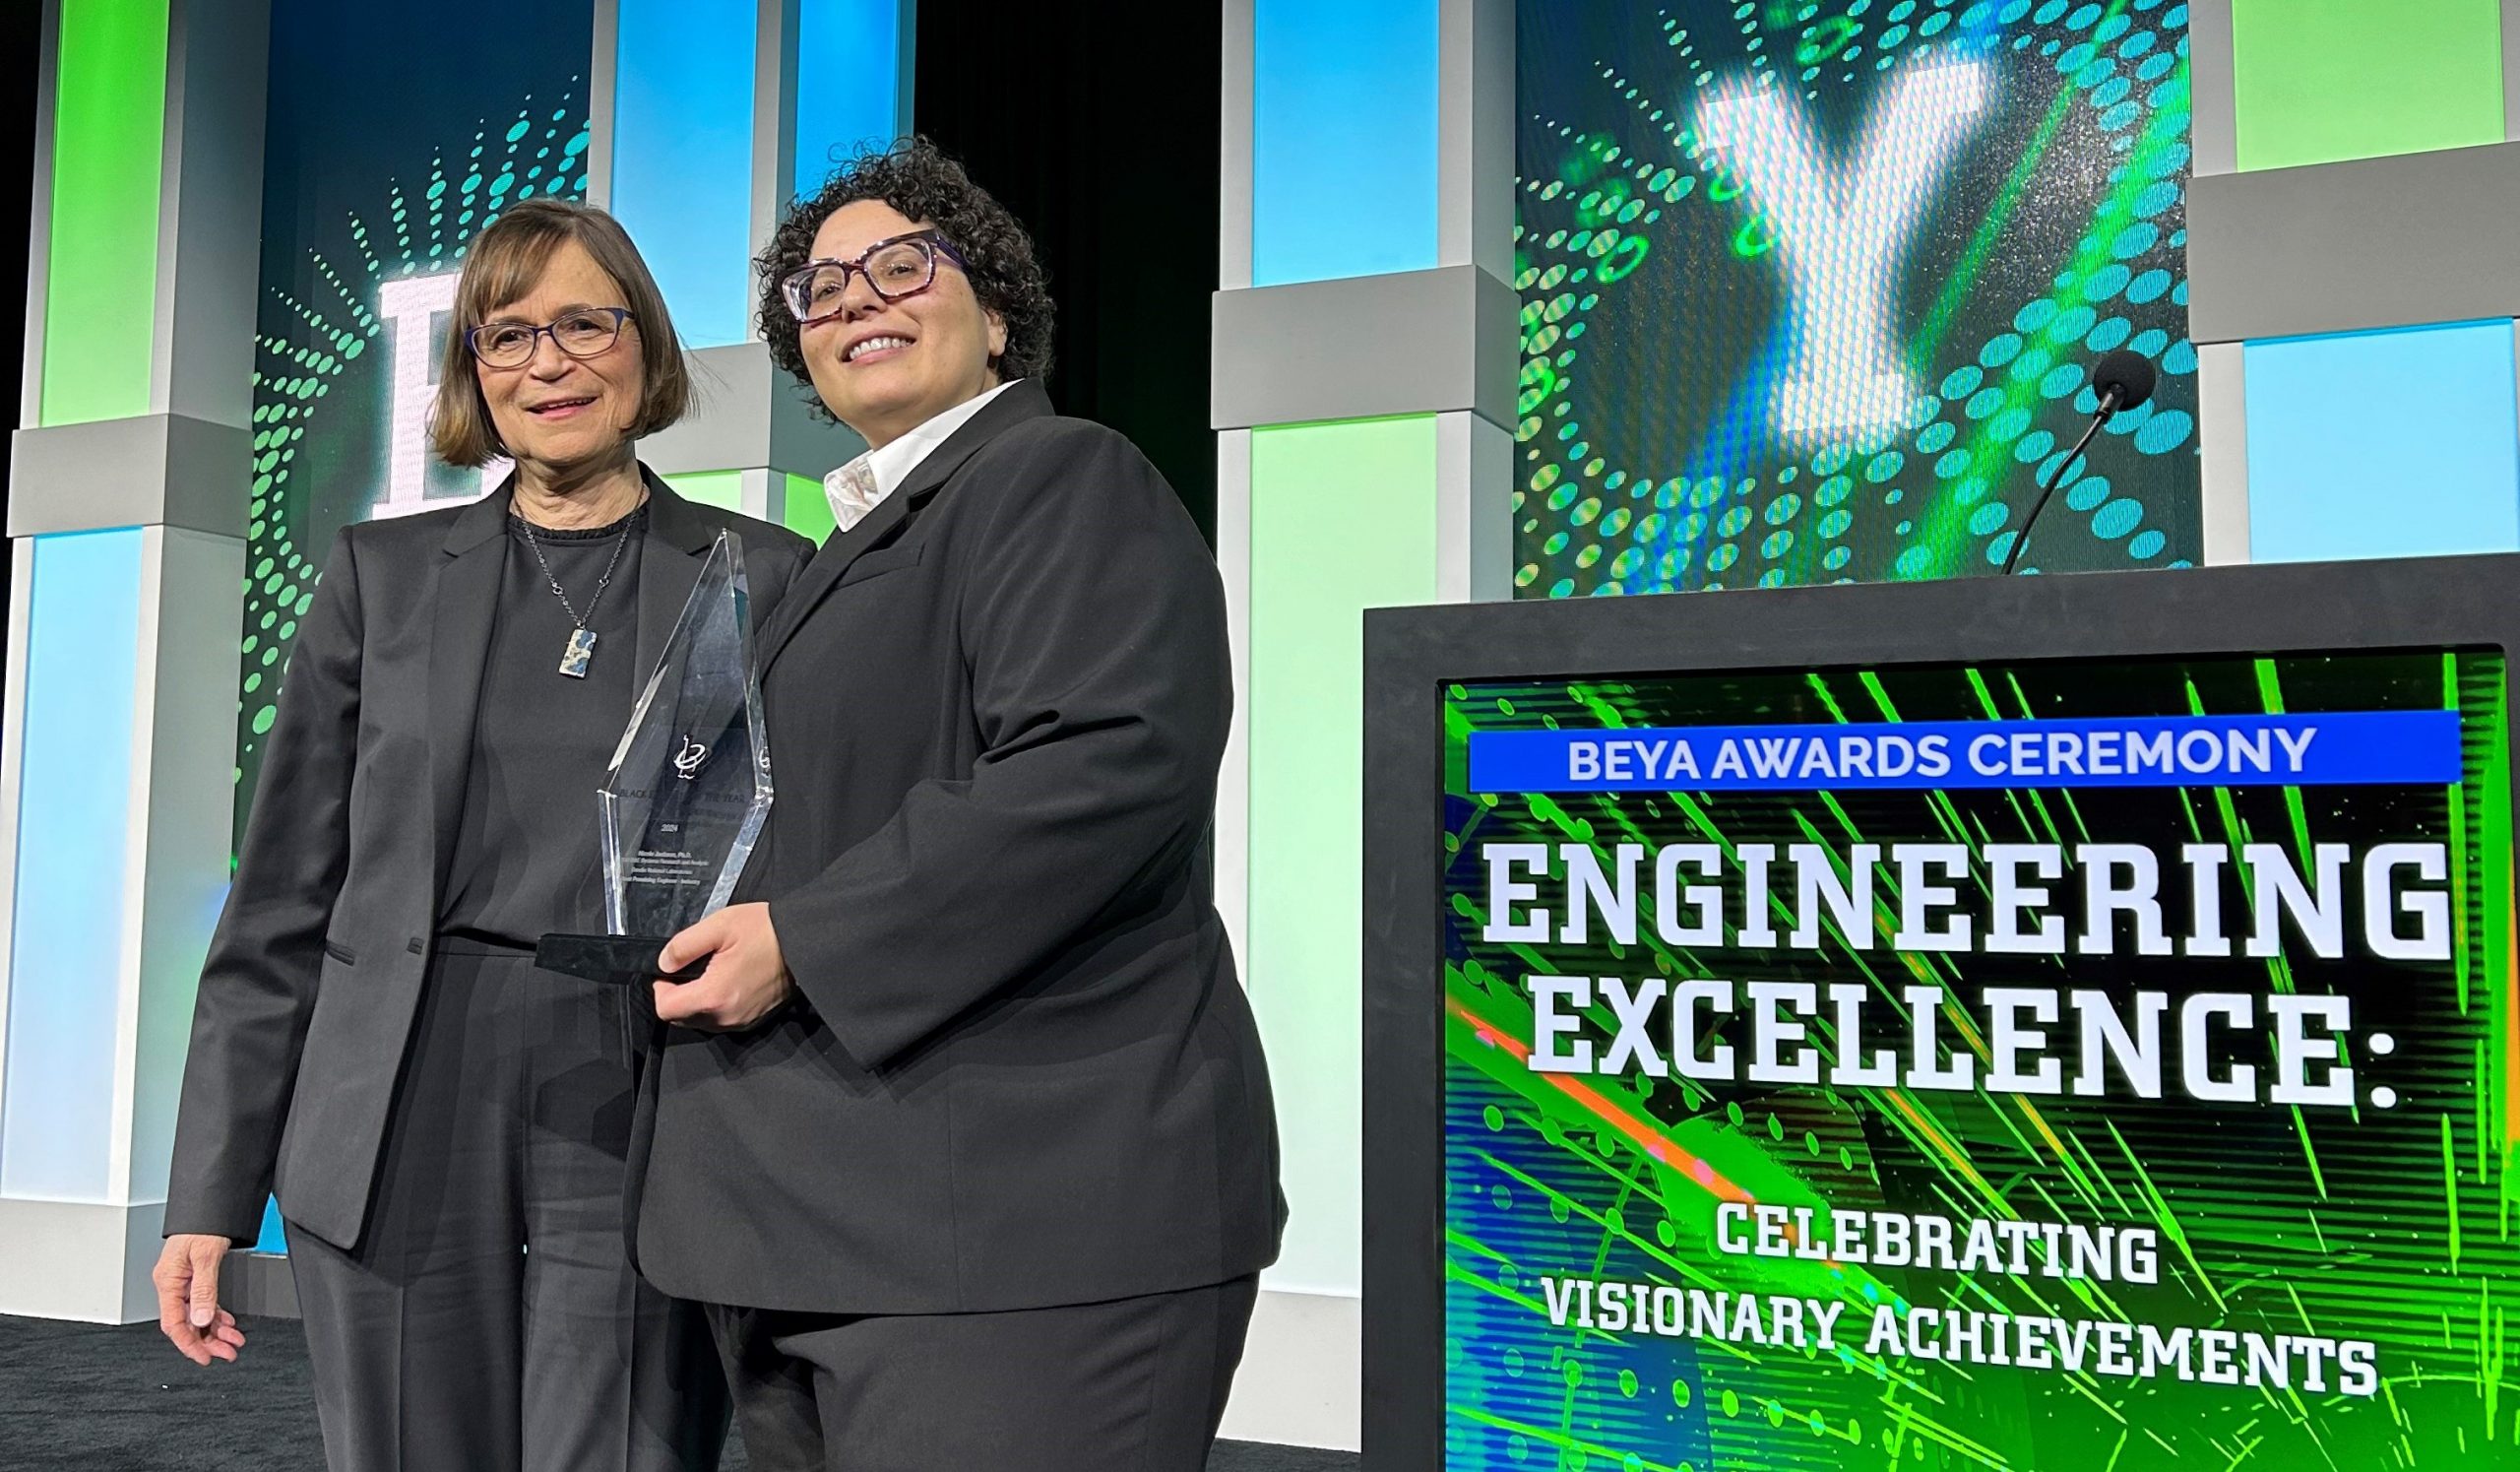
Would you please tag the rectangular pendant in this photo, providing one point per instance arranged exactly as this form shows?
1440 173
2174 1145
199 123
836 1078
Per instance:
573 660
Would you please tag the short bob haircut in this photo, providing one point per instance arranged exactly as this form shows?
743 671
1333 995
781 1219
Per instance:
921 181
503 263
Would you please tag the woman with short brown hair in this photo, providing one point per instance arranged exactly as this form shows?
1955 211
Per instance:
445 1124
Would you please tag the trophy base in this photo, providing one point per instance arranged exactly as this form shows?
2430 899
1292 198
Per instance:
625 960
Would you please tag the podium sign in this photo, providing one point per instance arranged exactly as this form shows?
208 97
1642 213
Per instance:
2029 1025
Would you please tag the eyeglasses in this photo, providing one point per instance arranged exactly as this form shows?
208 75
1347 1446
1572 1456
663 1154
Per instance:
903 265
587 332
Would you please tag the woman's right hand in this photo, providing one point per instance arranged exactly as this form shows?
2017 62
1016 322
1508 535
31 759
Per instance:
187 1279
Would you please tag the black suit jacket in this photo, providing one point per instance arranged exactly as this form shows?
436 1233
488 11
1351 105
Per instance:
314 973
1020 1071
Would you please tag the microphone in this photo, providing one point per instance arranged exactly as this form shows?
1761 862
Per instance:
2122 380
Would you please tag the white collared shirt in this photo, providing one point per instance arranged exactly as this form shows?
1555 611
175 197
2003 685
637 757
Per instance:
860 486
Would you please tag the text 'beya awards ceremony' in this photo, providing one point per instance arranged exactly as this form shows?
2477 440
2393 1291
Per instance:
1261 736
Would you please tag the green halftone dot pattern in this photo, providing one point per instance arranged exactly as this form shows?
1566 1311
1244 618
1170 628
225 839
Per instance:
1943 493
416 230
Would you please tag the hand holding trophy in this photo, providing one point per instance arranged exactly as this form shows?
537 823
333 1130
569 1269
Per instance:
687 790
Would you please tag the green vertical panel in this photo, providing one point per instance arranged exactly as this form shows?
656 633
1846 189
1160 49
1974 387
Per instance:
1343 519
808 510
2319 80
711 487
109 117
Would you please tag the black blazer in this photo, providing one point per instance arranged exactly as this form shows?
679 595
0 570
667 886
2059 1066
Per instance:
314 974
1020 1071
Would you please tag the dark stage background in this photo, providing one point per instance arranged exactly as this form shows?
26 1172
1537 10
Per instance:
1048 106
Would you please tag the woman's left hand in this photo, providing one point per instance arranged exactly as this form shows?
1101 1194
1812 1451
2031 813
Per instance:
746 980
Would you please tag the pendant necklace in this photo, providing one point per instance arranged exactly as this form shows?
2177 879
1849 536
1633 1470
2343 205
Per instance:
579 651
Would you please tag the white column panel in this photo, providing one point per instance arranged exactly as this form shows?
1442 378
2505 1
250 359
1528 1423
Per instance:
2222 435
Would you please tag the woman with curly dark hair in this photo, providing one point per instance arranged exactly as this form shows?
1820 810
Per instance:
965 1135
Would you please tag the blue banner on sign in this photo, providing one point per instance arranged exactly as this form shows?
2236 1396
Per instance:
2329 750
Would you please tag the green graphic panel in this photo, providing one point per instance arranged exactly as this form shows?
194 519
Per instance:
2322 1284
110 116
724 489
808 511
1343 519
2321 80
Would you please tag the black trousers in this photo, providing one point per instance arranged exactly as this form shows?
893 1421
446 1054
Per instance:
488 1319
1134 1386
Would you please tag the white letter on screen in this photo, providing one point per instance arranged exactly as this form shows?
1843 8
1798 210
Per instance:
2381 900
2275 887
2104 899
1550 1023
1917 899
2196 1048
2013 900
1685 999
1694 914
1504 892
1841 232
1848 902
1634 1039
1588 890
2008 1042
1771 1031
2296 1050
411 304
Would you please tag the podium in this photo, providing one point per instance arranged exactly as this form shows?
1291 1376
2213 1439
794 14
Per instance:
2041 1022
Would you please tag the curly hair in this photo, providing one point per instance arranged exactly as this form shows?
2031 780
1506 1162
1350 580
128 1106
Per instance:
923 183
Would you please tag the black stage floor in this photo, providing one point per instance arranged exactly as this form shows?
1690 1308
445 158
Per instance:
103 1399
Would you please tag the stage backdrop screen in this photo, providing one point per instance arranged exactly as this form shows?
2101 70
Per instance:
2069 1065
367 212
1809 291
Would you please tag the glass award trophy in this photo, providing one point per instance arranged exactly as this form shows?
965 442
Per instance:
689 785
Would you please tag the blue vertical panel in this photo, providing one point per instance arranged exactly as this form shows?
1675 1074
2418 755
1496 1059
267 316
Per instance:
1343 137
849 65
74 815
683 113
2383 444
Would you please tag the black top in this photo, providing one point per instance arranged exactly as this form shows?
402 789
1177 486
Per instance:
527 859
313 978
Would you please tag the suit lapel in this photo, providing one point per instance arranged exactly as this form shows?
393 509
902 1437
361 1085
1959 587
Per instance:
1023 400
822 574
470 567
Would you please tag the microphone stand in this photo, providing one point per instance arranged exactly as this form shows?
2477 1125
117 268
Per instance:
2108 410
